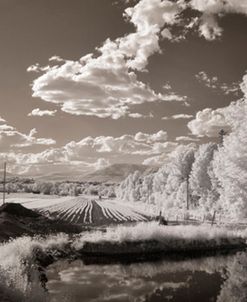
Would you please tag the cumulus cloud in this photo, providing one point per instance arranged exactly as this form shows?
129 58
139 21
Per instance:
220 6
214 83
209 27
209 122
106 85
39 112
243 86
34 164
212 10
91 153
10 137
149 18
101 86
163 157
138 144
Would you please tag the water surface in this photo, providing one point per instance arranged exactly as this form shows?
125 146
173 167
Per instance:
208 279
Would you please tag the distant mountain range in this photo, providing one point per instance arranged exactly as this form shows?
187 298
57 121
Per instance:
8 175
111 174
117 172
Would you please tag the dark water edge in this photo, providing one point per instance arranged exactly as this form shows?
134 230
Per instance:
205 278
123 258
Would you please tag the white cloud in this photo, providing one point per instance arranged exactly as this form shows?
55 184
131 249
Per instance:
163 157
33 164
5 127
39 112
101 163
100 86
37 68
167 86
182 116
106 85
139 115
210 82
214 83
209 27
243 85
12 138
160 136
149 18
186 139
91 153
136 115
177 116
56 59
213 9
157 160
220 6
2 120
209 122
166 34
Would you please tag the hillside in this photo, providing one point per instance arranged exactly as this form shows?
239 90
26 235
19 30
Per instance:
59 177
117 172
112 174
8 174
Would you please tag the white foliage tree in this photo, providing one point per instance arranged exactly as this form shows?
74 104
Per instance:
159 184
230 163
146 189
129 189
179 170
202 190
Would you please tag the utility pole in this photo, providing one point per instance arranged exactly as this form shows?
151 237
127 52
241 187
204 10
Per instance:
187 193
4 181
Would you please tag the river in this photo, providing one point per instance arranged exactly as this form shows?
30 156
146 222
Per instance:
220 278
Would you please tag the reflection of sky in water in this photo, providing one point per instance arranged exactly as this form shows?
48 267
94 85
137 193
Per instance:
178 281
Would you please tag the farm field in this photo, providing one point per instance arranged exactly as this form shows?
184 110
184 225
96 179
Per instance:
80 210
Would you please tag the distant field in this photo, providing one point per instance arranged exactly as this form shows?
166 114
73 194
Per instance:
82 210
35 201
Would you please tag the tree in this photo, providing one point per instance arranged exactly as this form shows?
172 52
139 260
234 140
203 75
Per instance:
129 188
178 173
201 174
230 163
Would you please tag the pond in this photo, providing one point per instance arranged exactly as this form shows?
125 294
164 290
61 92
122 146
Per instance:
220 278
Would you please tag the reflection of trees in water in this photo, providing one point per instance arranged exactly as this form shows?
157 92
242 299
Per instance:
198 279
191 279
210 265
234 289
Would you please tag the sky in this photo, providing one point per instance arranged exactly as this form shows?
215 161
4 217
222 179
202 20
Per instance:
88 83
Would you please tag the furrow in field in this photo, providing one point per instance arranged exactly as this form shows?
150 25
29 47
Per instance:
80 212
86 212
